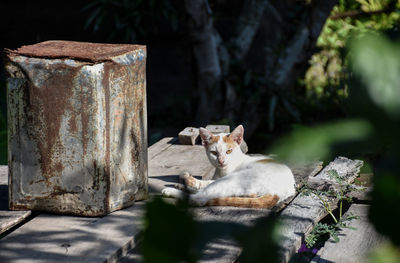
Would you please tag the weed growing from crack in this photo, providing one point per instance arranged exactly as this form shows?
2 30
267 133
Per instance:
340 192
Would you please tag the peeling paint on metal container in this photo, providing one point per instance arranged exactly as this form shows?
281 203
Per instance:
77 127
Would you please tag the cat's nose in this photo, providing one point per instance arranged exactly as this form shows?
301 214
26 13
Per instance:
221 160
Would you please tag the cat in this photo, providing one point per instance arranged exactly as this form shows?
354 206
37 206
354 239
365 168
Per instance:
239 180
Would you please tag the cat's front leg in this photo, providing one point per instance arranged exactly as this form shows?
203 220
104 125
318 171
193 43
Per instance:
172 192
194 200
186 188
192 183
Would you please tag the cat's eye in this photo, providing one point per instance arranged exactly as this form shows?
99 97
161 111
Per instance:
229 151
213 152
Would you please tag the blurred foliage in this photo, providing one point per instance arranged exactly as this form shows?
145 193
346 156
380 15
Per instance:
373 102
318 141
341 194
348 18
131 20
386 253
171 234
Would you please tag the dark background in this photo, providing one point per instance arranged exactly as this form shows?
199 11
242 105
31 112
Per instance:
267 109
168 82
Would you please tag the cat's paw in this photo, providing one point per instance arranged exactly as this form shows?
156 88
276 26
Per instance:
186 188
184 176
171 192
188 180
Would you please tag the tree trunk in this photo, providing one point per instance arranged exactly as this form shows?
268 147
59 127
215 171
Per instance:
204 46
272 40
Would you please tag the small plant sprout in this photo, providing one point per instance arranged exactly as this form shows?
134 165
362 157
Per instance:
339 191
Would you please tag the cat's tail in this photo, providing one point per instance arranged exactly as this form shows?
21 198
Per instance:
265 201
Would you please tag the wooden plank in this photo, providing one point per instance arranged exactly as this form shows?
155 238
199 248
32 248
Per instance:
165 167
160 147
55 238
245 216
222 249
164 171
133 256
298 219
345 168
8 218
354 245
362 196
300 216
302 171
226 249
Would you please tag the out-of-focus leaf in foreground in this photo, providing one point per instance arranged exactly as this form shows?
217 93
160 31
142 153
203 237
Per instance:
169 233
376 62
260 243
309 143
172 234
385 253
372 130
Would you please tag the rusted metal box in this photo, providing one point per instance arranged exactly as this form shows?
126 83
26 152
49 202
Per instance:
77 127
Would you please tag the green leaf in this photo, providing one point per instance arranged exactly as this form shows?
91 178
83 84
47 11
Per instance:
385 199
335 238
384 253
169 233
260 242
310 143
376 61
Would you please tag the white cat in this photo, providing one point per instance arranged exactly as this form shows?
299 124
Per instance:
239 179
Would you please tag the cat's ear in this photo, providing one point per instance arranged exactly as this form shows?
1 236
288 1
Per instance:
237 134
206 136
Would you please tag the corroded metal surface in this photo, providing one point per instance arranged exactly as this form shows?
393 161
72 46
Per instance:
77 127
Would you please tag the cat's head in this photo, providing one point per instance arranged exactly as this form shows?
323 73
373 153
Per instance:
222 149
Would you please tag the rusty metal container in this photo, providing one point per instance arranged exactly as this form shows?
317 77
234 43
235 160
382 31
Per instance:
77 127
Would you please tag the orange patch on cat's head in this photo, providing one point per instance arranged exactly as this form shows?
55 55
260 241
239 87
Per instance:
229 141
207 138
214 139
